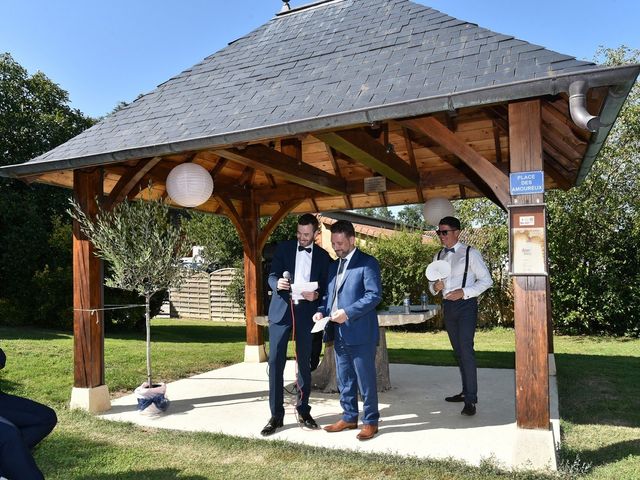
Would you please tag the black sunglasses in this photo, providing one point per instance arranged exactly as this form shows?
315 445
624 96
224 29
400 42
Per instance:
444 233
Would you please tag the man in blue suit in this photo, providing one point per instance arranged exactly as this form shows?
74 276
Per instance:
302 261
353 292
23 424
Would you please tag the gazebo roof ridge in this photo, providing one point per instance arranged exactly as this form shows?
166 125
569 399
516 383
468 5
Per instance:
306 6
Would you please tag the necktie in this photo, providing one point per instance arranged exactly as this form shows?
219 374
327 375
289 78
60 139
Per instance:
341 264
447 250
306 249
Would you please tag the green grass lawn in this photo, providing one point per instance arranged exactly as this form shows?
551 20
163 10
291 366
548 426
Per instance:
598 380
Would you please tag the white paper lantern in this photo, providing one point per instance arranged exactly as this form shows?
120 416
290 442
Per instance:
189 185
435 209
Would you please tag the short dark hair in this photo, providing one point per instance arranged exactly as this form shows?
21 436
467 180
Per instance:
309 219
343 226
452 222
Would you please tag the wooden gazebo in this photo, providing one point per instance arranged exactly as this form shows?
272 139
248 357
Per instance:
298 116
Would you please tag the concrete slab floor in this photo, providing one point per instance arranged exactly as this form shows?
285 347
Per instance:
415 419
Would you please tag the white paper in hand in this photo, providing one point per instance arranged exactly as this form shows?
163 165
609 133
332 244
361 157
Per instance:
438 270
299 287
320 324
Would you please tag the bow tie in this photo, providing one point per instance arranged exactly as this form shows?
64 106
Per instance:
306 249
447 250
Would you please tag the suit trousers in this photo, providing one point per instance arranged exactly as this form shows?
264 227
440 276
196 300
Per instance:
23 424
460 320
316 349
356 370
279 334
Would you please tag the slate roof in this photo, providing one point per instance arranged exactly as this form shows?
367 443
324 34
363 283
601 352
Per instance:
336 63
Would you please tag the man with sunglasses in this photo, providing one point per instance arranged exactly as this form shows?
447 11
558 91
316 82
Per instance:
469 278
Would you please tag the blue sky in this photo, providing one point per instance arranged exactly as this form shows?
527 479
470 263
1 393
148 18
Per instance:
107 51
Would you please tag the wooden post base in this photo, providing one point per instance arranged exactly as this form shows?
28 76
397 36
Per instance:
92 400
255 354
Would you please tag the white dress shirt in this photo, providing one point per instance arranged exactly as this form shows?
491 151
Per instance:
478 275
302 272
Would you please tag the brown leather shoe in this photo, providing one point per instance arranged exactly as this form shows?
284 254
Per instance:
367 432
340 425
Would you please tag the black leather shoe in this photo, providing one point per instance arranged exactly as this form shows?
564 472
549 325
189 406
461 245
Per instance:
455 398
469 409
272 425
307 421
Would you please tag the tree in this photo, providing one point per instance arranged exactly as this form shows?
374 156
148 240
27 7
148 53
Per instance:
218 236
403 259
34 118
412 215
143 248
594 231
378 212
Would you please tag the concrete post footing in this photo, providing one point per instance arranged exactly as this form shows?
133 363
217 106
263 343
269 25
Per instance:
255 353
93 400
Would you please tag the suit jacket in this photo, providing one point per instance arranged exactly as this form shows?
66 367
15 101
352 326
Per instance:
358 294
284 260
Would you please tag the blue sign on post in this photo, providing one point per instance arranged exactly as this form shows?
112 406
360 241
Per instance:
526 183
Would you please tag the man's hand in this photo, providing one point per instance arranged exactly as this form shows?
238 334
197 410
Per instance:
455 294
339 316
311 296
283 284
317 316
438 286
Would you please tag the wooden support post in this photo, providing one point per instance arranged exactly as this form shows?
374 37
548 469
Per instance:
530 292
89 392
254 350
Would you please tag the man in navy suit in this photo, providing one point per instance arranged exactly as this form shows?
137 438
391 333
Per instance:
305 262
353 292
23 424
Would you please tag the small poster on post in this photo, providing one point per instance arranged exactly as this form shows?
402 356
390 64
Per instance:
528 245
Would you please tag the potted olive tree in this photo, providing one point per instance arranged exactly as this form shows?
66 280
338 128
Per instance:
143 248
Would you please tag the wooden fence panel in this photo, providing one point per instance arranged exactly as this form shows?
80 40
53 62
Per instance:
193 298
223 308
203 296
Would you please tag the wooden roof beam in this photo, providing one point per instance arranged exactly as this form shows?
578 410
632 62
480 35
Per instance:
336 171
232 213
551 168
128 181
218 167
412 158
280 165
496 181
496 142
553 119
559 156
283 193
359 145
499 116
246 177
234 192
559 108
275 220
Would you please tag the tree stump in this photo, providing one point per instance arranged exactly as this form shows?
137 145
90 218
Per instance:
324 377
